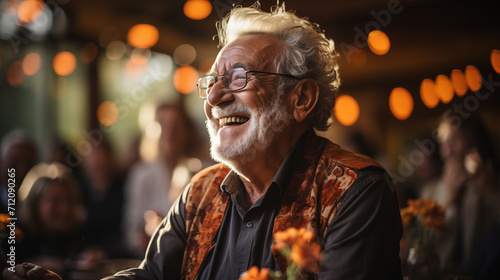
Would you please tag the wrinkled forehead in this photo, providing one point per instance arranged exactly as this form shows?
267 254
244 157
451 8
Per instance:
252 51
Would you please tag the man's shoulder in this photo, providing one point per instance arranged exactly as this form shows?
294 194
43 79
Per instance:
210 177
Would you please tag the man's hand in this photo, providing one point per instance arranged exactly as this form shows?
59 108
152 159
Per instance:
29 271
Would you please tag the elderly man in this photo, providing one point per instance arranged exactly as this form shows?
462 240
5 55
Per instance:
273 82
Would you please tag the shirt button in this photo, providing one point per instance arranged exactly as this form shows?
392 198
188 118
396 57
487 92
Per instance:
249 224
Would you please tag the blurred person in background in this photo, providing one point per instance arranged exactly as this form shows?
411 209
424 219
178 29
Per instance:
103 197
470 193
427 167
130 157
51 216
20 153
152 187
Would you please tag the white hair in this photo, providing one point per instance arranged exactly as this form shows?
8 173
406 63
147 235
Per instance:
308 53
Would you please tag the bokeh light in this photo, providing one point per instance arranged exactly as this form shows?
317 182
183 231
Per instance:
31 64
444 88
197 9
140 55
15 75
346 110
473 78
64 63
401 103
143 36
495 60
136 67
458 81
185 78
30 10
108 113
116 50
89 52
428 93
184 54
379 42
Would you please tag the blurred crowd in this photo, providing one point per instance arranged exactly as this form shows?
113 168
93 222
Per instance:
75 215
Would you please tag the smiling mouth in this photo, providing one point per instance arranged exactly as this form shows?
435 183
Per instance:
234 120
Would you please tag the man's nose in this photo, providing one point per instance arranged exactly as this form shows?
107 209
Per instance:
219 94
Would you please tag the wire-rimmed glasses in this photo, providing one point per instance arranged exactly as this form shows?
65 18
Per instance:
234 79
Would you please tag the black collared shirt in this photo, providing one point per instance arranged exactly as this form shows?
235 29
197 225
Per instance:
362 241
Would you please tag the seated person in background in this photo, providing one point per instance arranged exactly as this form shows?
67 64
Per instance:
470 193
152 187
273 82
103 198
51 215
19 153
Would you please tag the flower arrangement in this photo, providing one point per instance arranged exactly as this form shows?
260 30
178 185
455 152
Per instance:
421 219
300 251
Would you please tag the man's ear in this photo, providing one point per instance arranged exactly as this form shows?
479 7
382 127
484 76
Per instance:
304 98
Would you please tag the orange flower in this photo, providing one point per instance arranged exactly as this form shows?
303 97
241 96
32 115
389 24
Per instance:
254 274
288 237
427 210
306 254
406 216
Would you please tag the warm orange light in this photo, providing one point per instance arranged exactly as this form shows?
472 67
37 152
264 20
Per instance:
89 52
401 103
378 42
31 64
197 9
185 78
346 110
428 93
108 113
136 67
184 54
143 36
473 78
495 60
458 81
64 63
30 10
444 88
15 76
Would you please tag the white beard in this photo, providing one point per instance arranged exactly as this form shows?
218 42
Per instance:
264 127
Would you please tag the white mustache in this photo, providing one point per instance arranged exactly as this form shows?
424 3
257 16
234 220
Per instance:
231 109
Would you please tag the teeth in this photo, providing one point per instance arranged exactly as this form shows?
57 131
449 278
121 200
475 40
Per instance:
232 120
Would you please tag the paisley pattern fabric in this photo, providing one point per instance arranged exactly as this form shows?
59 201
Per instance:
311 199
